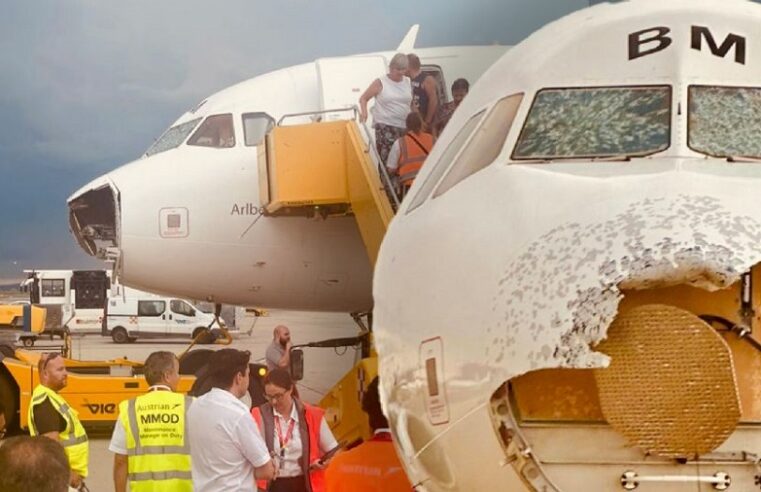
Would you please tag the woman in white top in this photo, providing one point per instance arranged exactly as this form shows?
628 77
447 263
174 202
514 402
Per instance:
393 100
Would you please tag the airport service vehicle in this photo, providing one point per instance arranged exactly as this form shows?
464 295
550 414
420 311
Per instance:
132 314
564 300
74 299
26 321
95 388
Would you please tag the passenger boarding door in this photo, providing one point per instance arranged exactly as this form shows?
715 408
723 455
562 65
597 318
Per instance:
182 320
344 79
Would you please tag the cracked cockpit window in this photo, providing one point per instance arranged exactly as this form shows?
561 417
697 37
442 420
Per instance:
173 137
596 122
725 121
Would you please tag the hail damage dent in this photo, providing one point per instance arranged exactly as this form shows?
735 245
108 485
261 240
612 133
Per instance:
567 285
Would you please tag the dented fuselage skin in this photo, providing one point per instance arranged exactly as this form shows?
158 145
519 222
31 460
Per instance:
518 269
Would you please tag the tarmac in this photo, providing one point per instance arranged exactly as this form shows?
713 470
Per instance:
323 367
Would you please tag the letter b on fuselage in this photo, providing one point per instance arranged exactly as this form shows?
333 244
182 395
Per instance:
655 39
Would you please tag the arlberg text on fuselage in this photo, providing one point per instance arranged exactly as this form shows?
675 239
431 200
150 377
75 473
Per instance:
565 300
187 217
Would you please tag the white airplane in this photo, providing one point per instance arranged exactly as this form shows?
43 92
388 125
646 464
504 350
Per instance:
567 294
565 298
187 218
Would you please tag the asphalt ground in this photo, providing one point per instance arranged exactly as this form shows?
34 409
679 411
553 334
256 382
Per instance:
322 366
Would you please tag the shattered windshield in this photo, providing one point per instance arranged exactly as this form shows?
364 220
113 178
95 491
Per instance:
725 121
172 137
596 122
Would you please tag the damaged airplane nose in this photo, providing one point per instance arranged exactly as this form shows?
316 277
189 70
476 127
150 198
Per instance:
93 218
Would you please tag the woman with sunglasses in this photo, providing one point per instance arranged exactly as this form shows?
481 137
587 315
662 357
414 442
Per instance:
296 435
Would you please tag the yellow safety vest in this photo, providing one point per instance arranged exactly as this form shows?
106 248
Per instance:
158 452
73 438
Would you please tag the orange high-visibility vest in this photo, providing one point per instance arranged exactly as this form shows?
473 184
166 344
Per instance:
310 419
412 155
370 467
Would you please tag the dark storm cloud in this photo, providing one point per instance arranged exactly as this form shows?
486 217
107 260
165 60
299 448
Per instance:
87 85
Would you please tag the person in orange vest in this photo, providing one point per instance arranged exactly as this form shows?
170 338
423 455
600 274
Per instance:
296 435
408 153
373 466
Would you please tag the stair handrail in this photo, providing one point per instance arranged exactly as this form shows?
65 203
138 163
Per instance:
388 185
353 109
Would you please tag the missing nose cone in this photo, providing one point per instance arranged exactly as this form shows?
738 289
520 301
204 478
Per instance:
93 218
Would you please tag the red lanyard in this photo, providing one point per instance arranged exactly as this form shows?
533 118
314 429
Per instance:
283 441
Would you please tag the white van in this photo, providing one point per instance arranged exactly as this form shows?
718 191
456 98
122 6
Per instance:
130 317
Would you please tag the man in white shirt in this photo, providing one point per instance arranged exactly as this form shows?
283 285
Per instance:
228 453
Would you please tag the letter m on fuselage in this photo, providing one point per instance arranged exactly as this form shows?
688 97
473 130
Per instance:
699 33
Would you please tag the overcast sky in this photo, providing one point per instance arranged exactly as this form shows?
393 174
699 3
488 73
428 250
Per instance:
86 85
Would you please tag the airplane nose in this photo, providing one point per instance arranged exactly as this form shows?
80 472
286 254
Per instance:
94 217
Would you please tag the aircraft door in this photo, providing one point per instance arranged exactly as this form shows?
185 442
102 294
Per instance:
344 79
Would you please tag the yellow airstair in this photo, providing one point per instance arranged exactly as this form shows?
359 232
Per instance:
326 169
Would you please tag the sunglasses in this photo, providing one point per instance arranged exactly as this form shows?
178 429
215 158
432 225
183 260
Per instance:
46 357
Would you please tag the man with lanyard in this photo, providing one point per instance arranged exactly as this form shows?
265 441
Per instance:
149 442
296 434
373 466
50 416
425 98
408 153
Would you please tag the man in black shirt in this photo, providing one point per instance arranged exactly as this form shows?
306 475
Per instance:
425 98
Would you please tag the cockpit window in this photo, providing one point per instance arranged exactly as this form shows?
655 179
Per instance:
256 126
486 144
725 121
440 167
172 137
596 122
216 131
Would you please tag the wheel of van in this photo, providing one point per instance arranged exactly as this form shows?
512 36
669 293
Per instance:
205 335
119 335
28 342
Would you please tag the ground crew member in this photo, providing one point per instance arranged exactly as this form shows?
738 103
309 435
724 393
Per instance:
50 416
296 434
409 152
372 466
149 439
